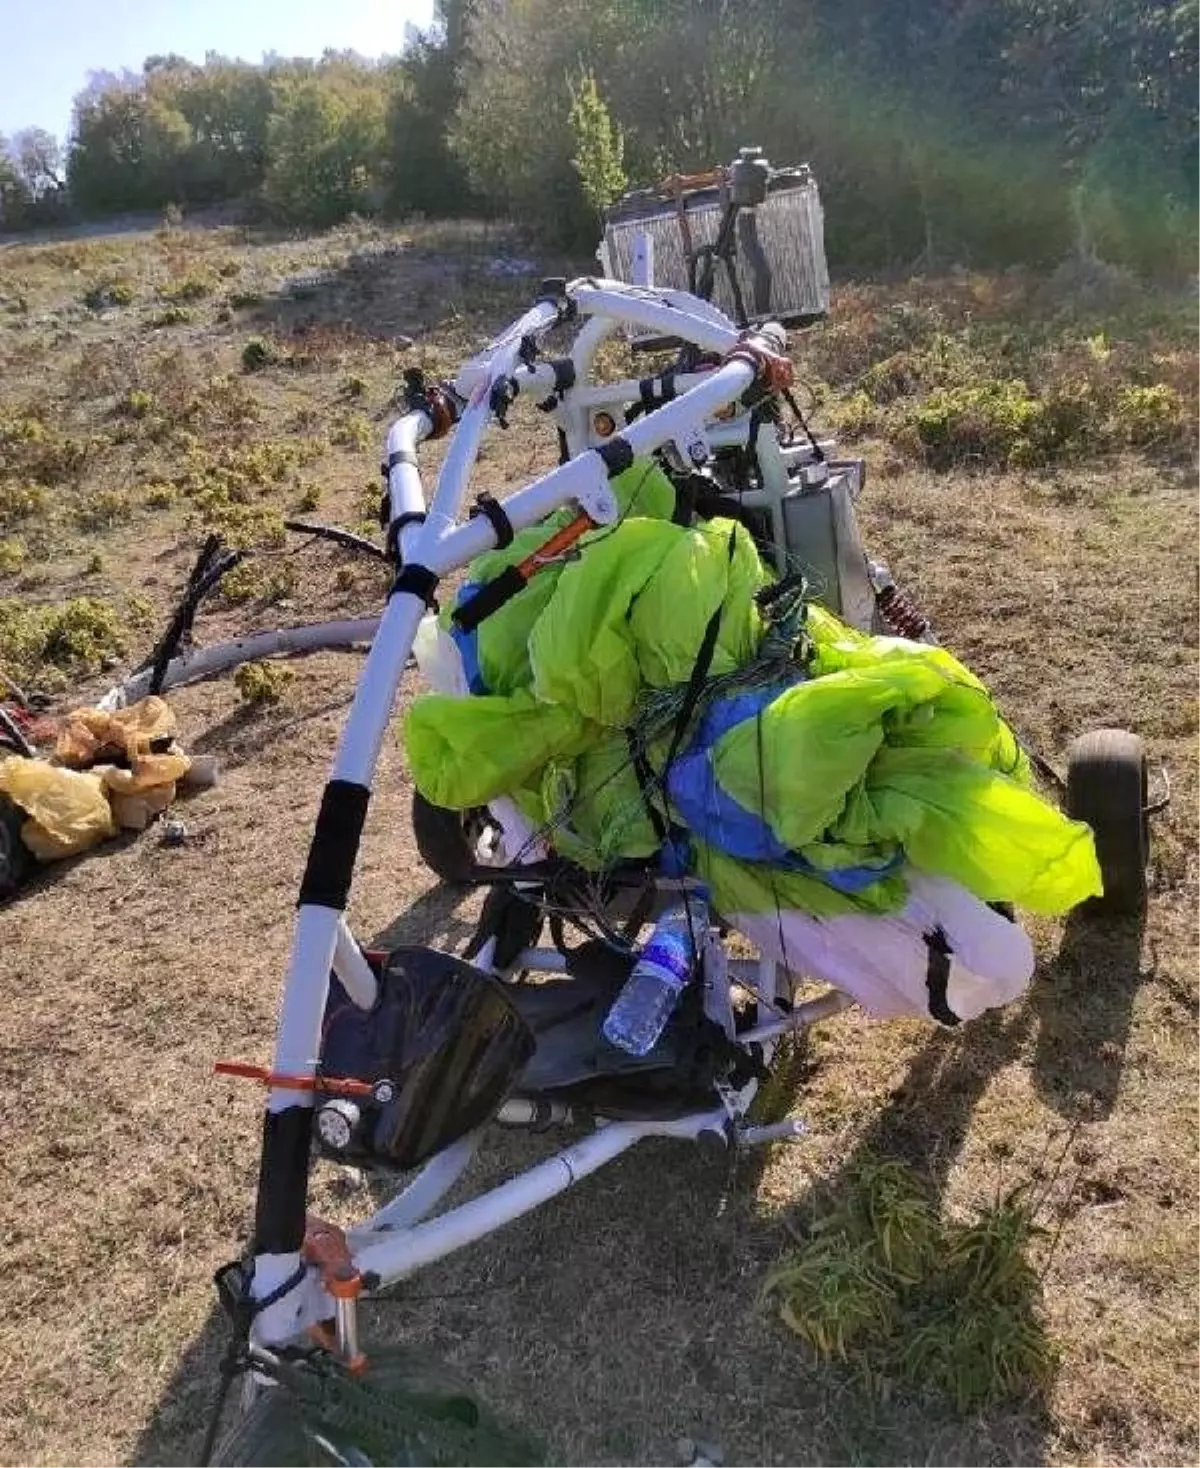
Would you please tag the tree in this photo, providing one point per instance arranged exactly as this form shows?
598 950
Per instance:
599 157
39 161
15 200
324 147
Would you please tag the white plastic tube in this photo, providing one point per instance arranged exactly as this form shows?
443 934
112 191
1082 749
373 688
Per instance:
206 662
401 1254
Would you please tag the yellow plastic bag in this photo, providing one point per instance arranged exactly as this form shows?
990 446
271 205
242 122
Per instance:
139 794
91 737
68 810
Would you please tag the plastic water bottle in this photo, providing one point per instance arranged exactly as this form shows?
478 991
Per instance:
663 970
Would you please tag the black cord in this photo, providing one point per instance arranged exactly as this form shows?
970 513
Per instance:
818 452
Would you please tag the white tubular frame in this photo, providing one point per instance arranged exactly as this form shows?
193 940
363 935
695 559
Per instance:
397 1241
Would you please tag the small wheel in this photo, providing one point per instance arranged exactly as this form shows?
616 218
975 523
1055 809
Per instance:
452 843
16 862
1107 788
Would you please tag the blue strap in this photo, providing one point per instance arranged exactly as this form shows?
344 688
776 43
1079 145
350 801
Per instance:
723 822
468 643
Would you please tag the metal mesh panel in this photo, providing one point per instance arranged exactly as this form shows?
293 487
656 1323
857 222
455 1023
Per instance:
780 249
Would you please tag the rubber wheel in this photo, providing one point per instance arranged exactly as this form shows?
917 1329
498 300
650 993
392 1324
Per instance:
446 839
16 861
1107 788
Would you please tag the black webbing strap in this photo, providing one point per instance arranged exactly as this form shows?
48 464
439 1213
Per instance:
490 507
691 697
420 580
645 779
400 456
937 977
564 374
617 455
394 527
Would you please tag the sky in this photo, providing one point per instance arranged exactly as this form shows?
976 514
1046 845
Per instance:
48 47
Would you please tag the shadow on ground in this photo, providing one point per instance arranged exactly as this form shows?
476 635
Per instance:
625 1315
1084 1007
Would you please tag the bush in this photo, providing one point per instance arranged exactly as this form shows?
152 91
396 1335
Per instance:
352 431
136 403
12 556
189 288
257 354
995 422
172 316
75 636
1152 417
262 683
158 496
103 294
104 509
253 580
21 501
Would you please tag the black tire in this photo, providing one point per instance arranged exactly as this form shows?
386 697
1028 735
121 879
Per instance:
446 839
1107 788
16 861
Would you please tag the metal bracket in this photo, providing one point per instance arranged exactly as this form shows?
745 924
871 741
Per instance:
694 446
598 502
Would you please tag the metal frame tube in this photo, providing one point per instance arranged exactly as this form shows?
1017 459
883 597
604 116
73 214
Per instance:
439 546
398 1255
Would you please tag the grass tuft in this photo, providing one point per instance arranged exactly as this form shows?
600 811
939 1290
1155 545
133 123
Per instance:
889 1286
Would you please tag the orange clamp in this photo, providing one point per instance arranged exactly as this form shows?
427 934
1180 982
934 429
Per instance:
326 1085
325 1247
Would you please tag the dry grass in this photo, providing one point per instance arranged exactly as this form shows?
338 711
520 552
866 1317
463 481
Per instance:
626 1314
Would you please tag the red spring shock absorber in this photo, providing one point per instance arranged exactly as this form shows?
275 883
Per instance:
904 619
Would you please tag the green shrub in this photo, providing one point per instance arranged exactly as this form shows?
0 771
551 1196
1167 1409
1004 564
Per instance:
31 450
136 403
76 636
244 300
253 580
896 376
142 612
351 431
189 288
112 291
172 316
855 415
262 683
257 354
158 496
1151 417
19 501
354 386
242 526
994 422
12 556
